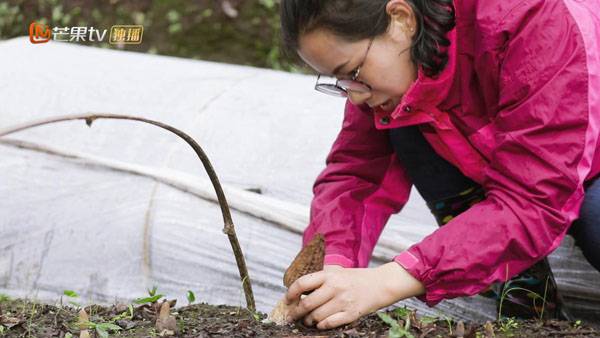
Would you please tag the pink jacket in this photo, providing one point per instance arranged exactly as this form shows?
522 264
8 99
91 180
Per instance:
517 109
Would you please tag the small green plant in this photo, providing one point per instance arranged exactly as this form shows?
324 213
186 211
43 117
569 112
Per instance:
448 321
191 297
101 329
507 326
428 319
153 297
4 298
402 312
72 295
30 319
535 296
152 332
577 324
240 296
255 314
396 331
128 314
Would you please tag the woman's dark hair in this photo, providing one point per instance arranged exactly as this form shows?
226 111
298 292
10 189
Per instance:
355 20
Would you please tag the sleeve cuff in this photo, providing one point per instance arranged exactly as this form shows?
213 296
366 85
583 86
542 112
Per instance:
413 265
335 259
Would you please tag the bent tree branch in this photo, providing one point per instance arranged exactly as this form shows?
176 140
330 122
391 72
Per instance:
228 228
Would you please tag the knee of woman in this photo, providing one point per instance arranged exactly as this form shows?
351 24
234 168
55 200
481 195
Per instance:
588 240
586 229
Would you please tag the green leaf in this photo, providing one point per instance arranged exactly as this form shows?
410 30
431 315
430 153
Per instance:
388 320
109 326
68 335
148 299
101 332
398 332
153 291
402 312
395 333
428 319
71 293
191 297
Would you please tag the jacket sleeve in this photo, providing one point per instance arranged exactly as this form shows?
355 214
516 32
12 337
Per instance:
354 196
545 137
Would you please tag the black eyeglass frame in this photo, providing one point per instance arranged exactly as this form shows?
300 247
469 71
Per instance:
341 87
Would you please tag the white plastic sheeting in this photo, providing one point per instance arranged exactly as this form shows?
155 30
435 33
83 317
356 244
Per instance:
112 210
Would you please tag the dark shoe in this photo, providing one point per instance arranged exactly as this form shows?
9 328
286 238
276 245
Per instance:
531 294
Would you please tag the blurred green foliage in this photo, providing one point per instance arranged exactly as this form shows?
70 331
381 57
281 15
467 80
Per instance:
199 29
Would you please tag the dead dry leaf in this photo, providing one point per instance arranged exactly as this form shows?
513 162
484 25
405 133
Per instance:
9 322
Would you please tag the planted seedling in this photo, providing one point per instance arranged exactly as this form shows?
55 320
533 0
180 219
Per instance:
102 329
151 299
127 314
448 321
191 297
507 325
396 330
535 296
72 295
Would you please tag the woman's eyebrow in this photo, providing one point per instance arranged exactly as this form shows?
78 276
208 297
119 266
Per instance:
338 68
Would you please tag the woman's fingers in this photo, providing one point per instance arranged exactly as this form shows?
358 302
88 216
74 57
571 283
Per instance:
327 309
304 284
335 320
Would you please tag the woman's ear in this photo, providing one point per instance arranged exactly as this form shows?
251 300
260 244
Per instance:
402 18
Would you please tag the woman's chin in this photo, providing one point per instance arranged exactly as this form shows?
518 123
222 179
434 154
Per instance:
389 105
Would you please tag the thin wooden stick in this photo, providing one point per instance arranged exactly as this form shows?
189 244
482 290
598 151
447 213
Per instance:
228 228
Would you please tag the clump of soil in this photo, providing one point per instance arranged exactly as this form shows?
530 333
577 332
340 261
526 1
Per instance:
20 318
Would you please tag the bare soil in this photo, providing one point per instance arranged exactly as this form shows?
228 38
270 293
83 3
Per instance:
20 318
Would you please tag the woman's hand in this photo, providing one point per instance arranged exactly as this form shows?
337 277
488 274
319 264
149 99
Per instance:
342 295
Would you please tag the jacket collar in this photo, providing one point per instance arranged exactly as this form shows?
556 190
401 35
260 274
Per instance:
426 91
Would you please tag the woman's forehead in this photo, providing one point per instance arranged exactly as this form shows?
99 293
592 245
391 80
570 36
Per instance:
324 51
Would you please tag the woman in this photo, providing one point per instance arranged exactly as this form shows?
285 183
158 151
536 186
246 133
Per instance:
490 108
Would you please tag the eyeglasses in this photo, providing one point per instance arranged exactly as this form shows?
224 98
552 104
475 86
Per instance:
341 87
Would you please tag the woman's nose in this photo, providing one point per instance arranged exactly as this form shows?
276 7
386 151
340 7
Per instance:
358 98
